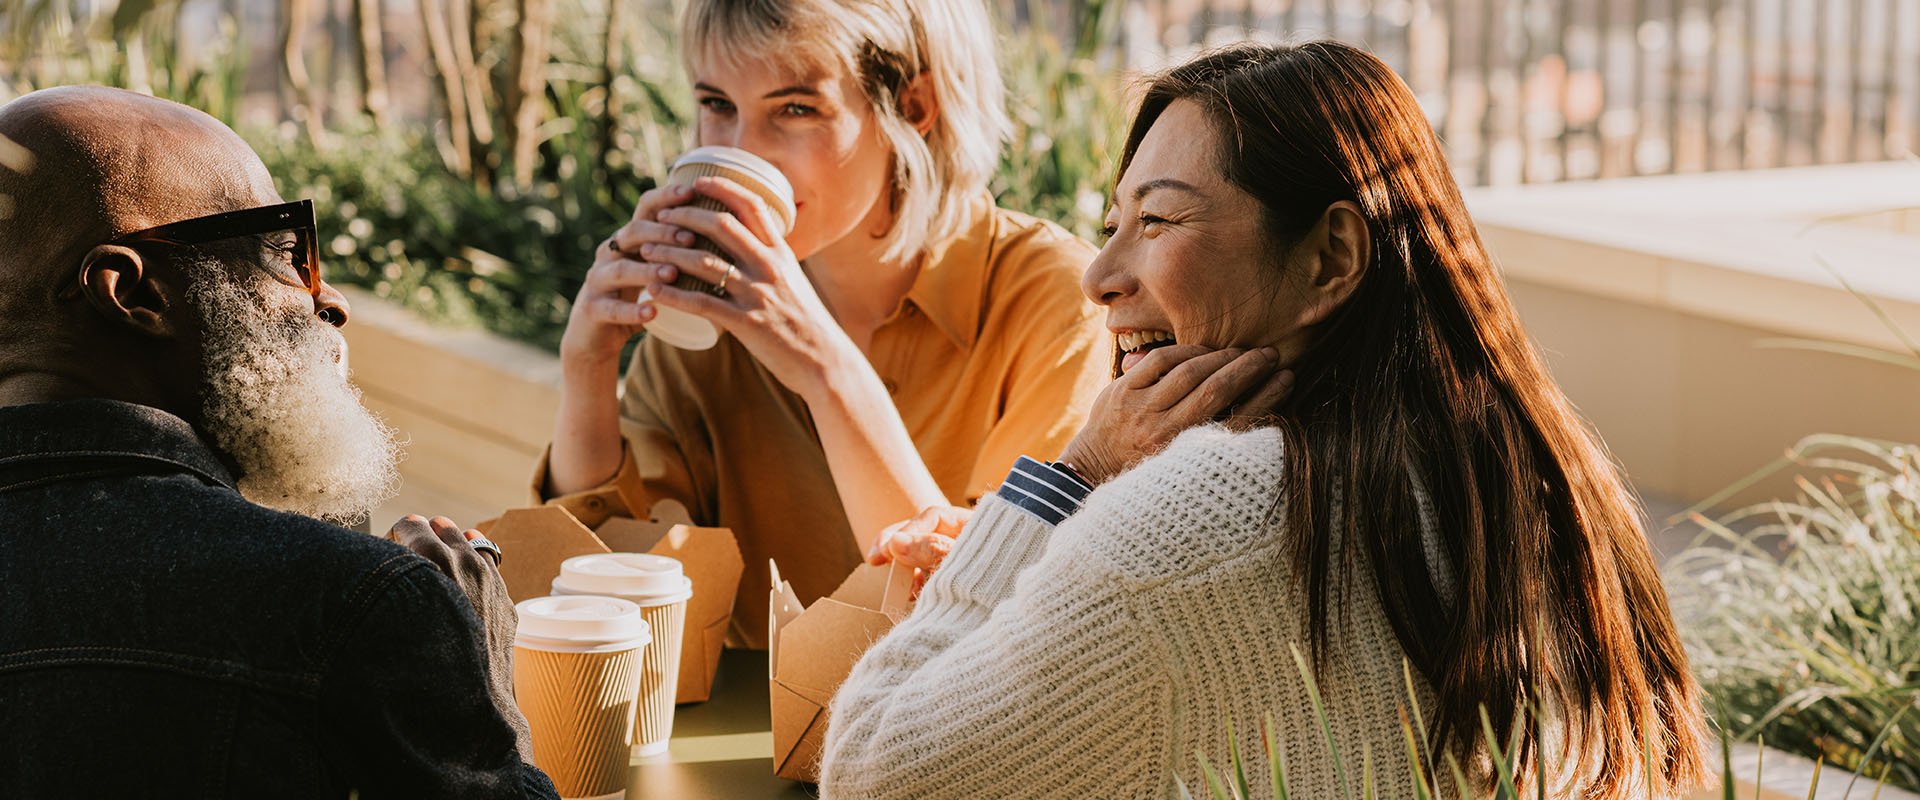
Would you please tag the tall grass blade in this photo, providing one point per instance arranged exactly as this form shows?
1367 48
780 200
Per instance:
1421 792
1841 349
1726 768
1216 789
1874 749
1420 724
1501 768
1233 758
1276 760
1326 726
1366 771
1459 778
1871 304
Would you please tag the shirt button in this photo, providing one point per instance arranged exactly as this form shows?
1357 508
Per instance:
595 504
892 388
912 309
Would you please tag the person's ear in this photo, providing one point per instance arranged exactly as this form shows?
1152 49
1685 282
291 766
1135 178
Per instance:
1339 249
124 287
920 104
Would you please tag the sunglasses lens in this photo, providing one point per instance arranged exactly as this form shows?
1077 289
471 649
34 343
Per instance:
305 264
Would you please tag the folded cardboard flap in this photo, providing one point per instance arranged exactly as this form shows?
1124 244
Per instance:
799 733
812 649
536 540
784 606
883 589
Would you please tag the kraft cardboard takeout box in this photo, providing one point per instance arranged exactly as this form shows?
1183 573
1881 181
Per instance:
536 540
811 650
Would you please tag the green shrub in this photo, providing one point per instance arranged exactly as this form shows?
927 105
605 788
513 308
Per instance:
397 220
1799 615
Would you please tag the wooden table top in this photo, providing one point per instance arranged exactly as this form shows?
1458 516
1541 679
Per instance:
722 748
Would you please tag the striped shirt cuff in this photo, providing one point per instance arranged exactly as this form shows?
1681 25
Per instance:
1047 491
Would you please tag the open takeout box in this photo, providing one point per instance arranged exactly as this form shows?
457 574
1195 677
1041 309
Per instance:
811 649
536 540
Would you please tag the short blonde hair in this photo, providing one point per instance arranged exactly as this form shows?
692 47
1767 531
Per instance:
885 45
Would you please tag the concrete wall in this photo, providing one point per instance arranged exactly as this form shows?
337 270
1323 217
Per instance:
475 409
1656 300
1689 404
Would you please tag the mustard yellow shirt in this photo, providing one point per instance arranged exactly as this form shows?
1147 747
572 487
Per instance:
994 353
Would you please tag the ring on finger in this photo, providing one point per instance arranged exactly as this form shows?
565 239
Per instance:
485 545
721 287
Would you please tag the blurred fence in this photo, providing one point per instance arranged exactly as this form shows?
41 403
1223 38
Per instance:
1532 90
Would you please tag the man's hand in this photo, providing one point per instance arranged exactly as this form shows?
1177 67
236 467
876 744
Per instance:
442 542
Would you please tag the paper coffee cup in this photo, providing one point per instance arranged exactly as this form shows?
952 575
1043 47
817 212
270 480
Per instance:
687 331
660 587
578 664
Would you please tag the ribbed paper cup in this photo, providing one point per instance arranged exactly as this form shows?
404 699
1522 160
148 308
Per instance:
689 331
661 589
660 682
578 664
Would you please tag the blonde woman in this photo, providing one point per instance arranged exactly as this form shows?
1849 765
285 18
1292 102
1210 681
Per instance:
898 349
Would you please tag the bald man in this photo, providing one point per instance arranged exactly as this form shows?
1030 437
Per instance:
179 614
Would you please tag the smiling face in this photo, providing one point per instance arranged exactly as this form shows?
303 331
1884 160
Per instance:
1189 257
816 127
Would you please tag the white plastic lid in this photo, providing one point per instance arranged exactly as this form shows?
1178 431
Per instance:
581 623
644 578
740 160
679 328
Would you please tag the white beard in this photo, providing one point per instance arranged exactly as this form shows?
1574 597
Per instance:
278 402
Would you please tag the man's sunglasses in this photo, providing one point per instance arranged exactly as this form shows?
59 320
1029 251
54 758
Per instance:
301 267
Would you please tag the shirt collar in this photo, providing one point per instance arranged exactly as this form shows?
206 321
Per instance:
952 284
109 428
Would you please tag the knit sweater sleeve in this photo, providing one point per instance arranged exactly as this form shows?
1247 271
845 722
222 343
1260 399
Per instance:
1010 637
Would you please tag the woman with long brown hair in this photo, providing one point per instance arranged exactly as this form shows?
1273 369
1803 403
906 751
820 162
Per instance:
1331 437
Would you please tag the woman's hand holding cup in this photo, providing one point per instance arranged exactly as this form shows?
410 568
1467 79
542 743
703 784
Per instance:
605 313
770 304
1172 389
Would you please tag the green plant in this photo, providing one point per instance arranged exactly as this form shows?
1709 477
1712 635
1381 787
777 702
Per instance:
1800 614
400 221
400 225
425 215
1068 122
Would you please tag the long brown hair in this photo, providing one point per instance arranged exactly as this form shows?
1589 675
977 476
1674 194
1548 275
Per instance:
1556 601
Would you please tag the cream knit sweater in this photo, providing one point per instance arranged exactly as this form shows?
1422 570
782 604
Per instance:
1094 660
